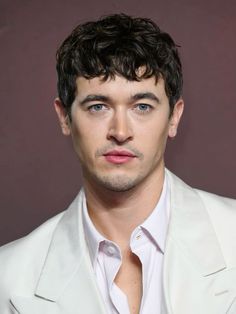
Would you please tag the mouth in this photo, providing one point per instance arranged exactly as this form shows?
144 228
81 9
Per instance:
119 156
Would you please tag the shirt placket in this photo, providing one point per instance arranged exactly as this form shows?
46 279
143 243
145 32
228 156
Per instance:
112 262
140 246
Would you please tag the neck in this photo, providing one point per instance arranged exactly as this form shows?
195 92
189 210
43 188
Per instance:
116 214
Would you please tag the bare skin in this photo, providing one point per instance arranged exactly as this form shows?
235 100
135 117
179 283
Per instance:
132 116
129 280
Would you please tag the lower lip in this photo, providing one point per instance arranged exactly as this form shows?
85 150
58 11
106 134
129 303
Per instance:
118 159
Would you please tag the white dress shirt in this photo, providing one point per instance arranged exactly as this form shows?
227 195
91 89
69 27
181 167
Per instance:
147 241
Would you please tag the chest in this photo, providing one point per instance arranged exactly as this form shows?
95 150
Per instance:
132 283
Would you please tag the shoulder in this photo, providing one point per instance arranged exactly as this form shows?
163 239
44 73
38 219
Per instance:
217 202
221 210
33 241
25 256
210 200
222 214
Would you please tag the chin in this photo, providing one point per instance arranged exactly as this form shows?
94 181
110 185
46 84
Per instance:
118 183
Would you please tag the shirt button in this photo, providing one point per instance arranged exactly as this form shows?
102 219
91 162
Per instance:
138 236
110 250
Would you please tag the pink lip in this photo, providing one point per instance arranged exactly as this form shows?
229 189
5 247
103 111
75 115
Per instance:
116 152
119 156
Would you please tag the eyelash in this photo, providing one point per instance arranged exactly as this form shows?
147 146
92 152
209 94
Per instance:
137 107
92 107
149 108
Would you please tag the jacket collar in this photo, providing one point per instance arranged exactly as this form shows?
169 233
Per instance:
68 272
190 227
65 253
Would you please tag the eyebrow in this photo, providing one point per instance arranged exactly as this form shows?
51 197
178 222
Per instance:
147 95
103 98
98 97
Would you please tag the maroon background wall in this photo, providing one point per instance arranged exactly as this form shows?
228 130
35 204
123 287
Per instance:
39 172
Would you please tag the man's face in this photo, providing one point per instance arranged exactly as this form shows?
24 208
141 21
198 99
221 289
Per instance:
119 129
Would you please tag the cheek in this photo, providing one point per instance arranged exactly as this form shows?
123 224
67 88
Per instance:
152 141
153 134
87 138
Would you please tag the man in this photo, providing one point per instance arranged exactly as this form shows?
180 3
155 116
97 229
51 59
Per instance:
136 239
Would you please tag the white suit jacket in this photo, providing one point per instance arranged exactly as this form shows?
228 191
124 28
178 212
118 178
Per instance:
49 271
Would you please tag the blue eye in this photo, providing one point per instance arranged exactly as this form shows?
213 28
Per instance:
96 107
144 107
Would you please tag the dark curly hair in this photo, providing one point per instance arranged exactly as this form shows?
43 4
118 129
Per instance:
118 44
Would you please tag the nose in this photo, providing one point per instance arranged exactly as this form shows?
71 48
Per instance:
120 129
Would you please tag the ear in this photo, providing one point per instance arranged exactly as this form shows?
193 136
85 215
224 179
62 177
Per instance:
62 117
175 118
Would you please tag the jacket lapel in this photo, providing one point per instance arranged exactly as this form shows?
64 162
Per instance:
192 229
67 283
193 259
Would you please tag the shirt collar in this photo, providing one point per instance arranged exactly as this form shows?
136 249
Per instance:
155 225
92 236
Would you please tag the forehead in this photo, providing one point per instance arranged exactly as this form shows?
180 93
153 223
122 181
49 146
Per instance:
119 86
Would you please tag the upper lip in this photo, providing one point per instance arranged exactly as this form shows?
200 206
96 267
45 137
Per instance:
117 152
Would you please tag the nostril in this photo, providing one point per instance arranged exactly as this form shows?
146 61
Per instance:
120 135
